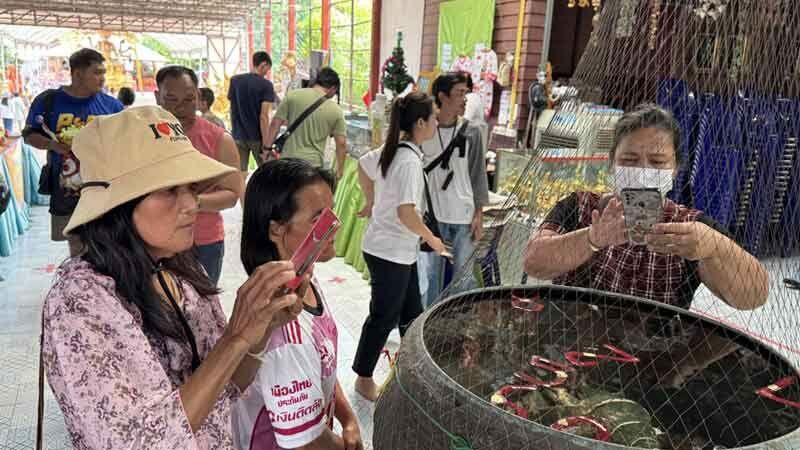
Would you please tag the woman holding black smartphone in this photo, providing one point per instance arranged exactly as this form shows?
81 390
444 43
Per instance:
392 240
584 242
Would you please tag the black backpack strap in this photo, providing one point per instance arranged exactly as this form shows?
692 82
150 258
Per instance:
429 203
444 158
302 117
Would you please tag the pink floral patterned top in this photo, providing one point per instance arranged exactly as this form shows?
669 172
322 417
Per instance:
118 386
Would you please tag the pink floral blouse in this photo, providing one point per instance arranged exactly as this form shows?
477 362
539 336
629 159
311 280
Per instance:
117 385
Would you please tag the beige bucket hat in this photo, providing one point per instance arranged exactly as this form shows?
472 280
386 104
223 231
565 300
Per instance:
133 153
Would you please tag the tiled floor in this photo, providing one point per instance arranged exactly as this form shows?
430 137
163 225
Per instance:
29 271
28 274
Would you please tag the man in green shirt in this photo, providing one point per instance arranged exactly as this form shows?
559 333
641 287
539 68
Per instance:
309 139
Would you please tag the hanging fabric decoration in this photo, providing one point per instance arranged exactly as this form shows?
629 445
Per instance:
626 18
711 9
655 14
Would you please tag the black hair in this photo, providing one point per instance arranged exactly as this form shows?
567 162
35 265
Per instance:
271 196
261 57
175 72
444 84
406 111
647 115
207 95
126 96
327 78
4 101
84 58
115 249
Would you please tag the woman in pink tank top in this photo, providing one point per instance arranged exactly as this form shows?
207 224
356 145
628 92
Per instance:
177 93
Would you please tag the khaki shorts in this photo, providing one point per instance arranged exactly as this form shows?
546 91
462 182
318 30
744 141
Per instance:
246 148
57 225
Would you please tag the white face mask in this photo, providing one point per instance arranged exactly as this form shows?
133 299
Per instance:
642 178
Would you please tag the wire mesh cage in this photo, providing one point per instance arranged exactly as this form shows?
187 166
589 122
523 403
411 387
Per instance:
551 367
657 307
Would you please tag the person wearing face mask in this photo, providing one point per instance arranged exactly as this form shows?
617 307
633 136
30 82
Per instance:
583 241
285 199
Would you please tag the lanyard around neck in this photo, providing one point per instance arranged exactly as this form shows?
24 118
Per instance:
441 141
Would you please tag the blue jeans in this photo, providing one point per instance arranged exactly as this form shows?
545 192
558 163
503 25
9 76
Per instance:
210 257
8 124
460 237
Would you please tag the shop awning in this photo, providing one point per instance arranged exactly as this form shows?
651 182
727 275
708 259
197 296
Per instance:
164 16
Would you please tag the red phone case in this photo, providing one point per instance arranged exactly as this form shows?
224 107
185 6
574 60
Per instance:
307 254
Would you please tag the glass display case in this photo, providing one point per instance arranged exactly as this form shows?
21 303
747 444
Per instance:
359 135
554 174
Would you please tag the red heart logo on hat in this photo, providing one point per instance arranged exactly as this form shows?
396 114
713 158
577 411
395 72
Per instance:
164 128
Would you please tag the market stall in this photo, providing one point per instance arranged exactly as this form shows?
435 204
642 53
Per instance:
20 172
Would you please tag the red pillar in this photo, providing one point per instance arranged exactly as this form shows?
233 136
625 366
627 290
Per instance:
250 41
292 25
375 49
326 24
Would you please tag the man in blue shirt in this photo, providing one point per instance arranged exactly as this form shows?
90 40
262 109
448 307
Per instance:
251 96
73 105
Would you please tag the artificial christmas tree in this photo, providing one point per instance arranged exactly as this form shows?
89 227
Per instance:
395 74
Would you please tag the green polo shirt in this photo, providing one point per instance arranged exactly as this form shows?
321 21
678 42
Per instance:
308 141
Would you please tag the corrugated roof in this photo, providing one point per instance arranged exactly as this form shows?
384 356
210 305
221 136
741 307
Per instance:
178 44
165 16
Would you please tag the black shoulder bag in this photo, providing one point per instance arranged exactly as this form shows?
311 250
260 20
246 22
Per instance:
280 141
429 217
46 176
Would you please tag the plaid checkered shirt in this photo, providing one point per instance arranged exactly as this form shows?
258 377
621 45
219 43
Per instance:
629 269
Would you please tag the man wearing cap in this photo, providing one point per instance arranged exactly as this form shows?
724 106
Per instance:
309 139
57 109
178 94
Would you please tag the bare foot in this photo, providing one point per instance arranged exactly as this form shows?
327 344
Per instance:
367 388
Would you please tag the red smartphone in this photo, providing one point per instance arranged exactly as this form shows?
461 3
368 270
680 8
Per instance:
308 252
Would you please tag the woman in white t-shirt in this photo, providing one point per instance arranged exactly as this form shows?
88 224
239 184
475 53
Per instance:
392 239
296 394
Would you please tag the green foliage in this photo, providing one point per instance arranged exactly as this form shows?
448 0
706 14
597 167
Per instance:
159 47
353 70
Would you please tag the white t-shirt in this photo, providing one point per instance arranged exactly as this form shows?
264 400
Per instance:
456 204
369 163
386 237
292 398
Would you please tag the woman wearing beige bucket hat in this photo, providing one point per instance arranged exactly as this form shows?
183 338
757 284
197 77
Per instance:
134 342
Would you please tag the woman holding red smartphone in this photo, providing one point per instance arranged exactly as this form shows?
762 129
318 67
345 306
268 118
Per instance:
296 395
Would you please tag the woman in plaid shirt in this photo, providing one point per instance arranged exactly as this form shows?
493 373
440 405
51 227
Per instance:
583 240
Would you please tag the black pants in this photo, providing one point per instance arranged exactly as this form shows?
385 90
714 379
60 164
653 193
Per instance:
395 302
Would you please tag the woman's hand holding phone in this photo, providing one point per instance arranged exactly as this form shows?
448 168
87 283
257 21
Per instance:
259 303
608 227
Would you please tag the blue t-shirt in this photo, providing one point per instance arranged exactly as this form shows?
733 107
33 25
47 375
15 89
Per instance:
246 93
66 110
